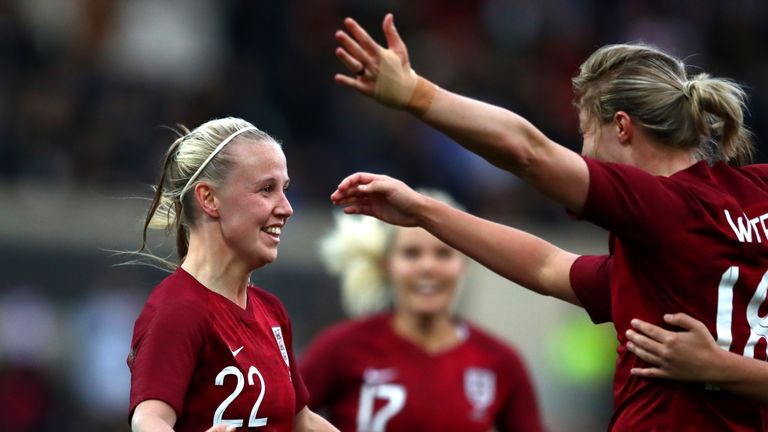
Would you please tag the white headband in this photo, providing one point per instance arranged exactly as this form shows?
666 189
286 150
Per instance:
212 155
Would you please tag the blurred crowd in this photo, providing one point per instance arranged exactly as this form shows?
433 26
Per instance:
86 86
89 89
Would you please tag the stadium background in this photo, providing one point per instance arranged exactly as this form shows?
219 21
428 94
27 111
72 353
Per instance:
85 86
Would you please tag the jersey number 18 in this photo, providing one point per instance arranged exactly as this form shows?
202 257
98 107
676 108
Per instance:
758 324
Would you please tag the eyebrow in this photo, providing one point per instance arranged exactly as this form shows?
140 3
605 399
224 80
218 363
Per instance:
271 180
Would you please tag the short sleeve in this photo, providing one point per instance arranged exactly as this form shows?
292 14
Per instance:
163 359
318 368
590 277
302 395
520 411
632 203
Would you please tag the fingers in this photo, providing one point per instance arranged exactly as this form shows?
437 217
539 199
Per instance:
351 63
655 332
357 179
353 49
649 372
354 84
644 343
362 37
644 354
222 428
348 187
394 41
685 321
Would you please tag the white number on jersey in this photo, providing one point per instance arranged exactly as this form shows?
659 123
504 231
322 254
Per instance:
758 324
393 394
219 413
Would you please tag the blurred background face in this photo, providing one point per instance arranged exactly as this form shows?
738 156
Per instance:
424 272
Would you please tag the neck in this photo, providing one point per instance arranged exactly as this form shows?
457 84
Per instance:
433 333
662 161
214 265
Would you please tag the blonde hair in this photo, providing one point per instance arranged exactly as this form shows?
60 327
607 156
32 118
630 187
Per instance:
356 250
653 87
172 209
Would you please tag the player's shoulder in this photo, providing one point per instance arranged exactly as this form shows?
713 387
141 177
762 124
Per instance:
759 172
178 301
268 300
489 344
264 296
179 290
354 329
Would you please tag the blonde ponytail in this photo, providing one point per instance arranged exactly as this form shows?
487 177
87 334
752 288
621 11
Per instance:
717 110
355 250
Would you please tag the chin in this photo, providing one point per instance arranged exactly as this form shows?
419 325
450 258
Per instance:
264 259
429 309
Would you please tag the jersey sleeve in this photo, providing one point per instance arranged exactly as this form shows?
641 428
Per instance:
591 282
163 358
318 366
520 411
632 203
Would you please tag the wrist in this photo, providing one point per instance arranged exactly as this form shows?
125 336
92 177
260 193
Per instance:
422 97
717 371
426 212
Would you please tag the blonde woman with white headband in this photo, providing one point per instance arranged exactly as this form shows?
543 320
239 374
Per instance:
210 351
407 362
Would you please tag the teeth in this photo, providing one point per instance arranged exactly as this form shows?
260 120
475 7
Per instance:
273 230
426 287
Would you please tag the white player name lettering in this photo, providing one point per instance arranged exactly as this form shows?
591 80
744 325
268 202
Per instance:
748 230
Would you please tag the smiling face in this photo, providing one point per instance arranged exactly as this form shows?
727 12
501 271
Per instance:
251 204
424 272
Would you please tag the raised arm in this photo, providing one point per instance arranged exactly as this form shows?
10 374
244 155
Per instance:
693 355
513 254
498 135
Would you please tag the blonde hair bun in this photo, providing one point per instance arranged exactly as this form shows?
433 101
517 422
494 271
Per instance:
355 251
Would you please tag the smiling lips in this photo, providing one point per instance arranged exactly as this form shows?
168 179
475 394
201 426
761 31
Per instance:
273 231
427 287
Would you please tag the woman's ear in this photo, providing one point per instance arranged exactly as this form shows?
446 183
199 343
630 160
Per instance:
206 200
624 127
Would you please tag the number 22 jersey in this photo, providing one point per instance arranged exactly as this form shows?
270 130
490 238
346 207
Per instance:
214 362
369 379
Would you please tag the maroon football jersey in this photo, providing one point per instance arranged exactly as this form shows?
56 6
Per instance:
366 378
694 242
213 361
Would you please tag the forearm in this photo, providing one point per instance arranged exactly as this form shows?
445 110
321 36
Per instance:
741 375
150 423
500 136
510 142
516 255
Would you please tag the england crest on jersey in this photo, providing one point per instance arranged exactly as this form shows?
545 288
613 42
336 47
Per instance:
480 389
281 344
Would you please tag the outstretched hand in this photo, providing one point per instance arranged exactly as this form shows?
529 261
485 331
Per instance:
382 73
689 355
221 428
379 196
